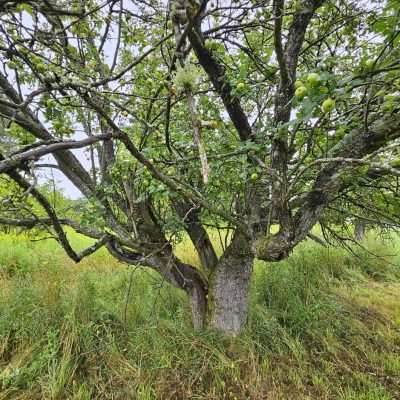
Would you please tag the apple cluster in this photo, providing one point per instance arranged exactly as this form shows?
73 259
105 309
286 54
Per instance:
313 80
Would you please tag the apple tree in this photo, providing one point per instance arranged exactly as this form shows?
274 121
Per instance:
263 118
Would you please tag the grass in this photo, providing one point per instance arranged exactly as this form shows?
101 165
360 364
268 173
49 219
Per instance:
323 325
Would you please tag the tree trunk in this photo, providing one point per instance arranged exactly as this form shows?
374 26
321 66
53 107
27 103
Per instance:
192 282
229 288
359 230
198 304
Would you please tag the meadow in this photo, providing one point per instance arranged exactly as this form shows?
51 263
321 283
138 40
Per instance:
324 324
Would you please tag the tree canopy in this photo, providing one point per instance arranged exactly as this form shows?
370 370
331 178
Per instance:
263 118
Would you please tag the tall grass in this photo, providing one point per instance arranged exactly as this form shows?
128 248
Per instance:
323 325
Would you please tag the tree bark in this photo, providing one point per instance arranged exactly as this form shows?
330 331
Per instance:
198 303
198 234
229 288
359 230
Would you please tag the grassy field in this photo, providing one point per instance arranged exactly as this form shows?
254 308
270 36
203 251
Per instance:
323 325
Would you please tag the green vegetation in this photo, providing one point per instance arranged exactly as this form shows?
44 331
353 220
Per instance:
324 324
171 119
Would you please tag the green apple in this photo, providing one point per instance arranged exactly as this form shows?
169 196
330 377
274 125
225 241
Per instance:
241 86
313 78
298 84
57 125
328 105
254 176
323 90
301 92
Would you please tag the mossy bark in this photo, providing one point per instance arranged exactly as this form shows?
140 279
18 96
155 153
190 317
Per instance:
229 288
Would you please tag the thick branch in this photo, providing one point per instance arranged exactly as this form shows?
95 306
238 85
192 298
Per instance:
55 222
34 154
288 60
278 11
188 194
216 73
32 223
198 234
328 184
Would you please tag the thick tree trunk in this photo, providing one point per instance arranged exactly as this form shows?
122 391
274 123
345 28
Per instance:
229 288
